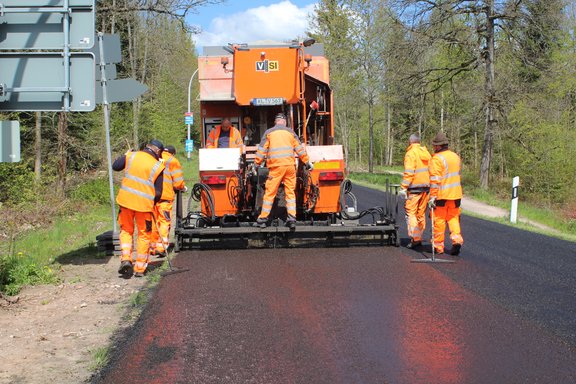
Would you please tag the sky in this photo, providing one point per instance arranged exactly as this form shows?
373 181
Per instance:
248 21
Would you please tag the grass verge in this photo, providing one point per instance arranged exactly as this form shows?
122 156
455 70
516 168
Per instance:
37 252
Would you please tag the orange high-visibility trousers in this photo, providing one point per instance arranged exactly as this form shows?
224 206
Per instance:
126 219
277 175
161 231
415 207
449 213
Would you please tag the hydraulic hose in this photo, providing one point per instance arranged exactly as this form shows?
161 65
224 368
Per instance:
311 191
197 190
346 191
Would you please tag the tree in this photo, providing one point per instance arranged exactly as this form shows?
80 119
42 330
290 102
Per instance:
479 25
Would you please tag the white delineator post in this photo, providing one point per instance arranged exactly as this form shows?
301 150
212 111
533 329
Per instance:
514 206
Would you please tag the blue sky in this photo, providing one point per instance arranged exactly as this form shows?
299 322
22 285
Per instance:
249 21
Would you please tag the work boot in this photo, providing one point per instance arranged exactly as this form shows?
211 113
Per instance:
125 268
414 244
455 251
438 251
138 274
160 254
261 222
291 223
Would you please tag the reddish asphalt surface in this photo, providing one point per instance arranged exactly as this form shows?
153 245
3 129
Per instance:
503 313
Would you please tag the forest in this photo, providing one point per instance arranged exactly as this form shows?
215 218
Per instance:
497 76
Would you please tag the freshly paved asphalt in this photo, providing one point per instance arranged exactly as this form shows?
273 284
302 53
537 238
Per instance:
504 312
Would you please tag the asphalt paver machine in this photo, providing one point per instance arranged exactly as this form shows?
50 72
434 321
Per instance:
251 84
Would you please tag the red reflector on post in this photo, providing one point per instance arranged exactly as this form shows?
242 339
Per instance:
331 176
214 179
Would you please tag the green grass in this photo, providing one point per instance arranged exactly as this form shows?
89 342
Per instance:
100 357
375 179
38 252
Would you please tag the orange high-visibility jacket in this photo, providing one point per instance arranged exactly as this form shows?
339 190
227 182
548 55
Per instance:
278 146
235 138
416 176
137 191
173 176
445 169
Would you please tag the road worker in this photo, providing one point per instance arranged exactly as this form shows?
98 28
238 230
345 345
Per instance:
277 147
224 136
414 188
173 180
445 194
141 188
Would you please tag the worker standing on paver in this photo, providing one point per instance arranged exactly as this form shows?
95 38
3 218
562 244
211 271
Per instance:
141 189
224 136
414 188
173 181
277 147
445 194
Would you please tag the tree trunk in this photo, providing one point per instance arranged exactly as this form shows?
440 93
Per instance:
62 164
490 96
135 110
442 112
38 147
371 136
389 136
421 114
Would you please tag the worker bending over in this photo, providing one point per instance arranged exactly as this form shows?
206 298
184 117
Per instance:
173 181
445 194
224 136
414 188
277 147
141 189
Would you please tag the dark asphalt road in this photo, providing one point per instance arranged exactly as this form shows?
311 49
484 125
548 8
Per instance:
503 313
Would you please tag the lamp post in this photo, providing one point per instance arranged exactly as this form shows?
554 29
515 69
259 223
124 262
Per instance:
188 124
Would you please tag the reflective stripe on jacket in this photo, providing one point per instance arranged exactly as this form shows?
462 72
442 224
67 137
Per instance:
278 146
137 191
235 138
173 176
416 174
445 170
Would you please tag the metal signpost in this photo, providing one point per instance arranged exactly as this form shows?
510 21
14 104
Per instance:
112 90
47 75
35 81
10 141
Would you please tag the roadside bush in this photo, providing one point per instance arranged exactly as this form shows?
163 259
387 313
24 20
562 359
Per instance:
19 270
16 183
95 191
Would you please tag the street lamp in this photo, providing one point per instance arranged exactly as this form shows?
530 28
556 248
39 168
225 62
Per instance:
188 113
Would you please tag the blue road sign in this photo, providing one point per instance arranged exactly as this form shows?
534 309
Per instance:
188 118
189 145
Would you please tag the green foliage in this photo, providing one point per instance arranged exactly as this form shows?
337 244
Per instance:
95 191
19 270
16 183
101 357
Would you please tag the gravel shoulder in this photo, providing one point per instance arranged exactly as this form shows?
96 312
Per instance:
53 331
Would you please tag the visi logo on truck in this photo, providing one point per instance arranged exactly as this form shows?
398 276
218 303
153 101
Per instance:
267 66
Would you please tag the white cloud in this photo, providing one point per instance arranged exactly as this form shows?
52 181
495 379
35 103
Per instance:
282 21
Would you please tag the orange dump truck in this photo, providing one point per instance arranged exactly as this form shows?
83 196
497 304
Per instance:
250 85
